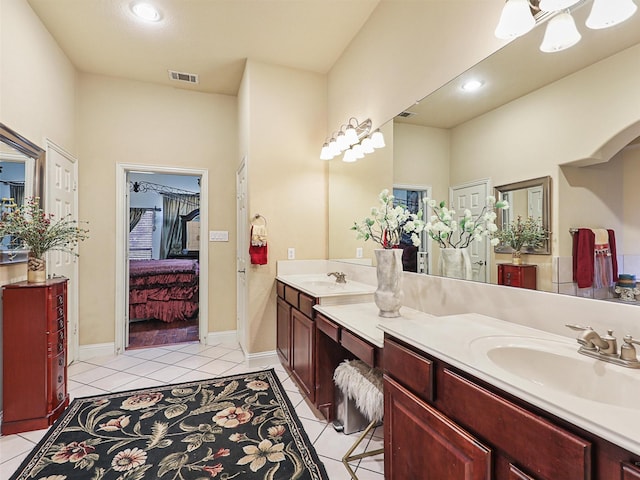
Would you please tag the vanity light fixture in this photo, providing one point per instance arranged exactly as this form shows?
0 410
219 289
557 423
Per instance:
517 19
607 13
145 11
561 33
354 140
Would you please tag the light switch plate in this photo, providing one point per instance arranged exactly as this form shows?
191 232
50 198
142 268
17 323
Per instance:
218 236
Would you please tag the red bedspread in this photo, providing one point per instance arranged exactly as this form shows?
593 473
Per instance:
166 290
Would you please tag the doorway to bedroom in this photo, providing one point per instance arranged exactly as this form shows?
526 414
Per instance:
163 258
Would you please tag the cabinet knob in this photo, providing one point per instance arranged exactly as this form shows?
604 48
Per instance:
60 378
60 396
60 361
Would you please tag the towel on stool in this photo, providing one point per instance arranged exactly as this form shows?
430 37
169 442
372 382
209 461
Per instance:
363 385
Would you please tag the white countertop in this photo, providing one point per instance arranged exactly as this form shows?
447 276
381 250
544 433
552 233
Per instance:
327 290
462 340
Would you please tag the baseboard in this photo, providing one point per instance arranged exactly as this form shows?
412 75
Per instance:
86 352
261 359
228 337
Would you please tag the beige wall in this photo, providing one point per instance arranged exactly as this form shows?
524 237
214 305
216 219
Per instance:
124 121
37 90
406 50
282 122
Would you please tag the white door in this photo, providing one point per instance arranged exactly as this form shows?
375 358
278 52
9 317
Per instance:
242 249
62 200
473 196
534 202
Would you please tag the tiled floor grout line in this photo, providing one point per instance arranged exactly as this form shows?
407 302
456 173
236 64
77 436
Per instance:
321 434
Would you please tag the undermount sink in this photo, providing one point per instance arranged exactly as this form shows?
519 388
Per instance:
557 365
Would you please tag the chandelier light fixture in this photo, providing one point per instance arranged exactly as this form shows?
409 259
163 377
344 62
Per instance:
354 140
520 16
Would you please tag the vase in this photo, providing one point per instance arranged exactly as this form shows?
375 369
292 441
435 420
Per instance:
36 269
455 263
516 257
388 296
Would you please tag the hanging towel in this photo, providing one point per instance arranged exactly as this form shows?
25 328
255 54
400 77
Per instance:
585 258
258 235
257 253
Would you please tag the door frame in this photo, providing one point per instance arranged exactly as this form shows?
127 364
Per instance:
73 333
122 240
486 183
242 249
426 240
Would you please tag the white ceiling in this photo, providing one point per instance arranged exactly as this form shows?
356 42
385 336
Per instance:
211 38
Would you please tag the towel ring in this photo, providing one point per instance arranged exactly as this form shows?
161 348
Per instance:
257 216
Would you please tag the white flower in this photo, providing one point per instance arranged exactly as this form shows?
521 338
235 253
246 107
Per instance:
467 213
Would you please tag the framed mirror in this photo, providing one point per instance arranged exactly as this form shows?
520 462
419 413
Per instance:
21 170
529 198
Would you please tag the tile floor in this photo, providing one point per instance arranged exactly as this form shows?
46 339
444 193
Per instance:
188 362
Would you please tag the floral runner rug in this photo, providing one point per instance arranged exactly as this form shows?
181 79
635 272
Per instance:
235 427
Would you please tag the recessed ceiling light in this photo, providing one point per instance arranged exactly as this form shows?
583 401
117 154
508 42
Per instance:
472 85
145 11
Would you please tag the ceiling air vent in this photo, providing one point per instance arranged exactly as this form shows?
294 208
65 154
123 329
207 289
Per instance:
406 114
183 77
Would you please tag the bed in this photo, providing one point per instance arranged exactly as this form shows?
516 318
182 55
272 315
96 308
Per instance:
166 290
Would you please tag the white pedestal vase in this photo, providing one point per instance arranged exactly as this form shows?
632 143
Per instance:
455 263
389 295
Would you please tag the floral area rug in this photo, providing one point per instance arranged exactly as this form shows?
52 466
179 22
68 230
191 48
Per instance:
241 427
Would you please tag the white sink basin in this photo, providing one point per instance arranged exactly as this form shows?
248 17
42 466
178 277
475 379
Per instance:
557 365
323 284
320 285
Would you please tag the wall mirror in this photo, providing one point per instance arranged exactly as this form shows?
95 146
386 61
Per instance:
21 166
446 139
530 198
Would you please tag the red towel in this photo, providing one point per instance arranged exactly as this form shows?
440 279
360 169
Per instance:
583 256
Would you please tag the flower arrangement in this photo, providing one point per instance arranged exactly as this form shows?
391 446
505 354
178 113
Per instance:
29 227
450 232
388 223
520 233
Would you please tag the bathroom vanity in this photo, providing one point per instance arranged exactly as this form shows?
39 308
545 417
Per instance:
468 396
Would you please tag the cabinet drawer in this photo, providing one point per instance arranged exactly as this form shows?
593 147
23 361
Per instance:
630 472
306 304
56 322
328 327
291 296
361 349
280 289
410 369
538 445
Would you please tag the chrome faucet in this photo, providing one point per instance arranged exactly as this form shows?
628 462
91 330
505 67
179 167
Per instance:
606 347
340 276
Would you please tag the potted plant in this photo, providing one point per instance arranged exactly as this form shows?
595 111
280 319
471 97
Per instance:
455 233
522 233
29 227
386 226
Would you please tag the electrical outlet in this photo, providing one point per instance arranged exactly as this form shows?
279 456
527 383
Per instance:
359 252
291 253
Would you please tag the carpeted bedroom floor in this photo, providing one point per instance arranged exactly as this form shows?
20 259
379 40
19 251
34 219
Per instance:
147 333
139 368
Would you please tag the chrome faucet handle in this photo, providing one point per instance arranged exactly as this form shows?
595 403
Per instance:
340 276
627 350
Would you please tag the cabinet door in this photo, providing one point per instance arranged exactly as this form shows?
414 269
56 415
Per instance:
420 442
302 340
283 332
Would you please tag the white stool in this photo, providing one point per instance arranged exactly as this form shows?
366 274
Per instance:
363 385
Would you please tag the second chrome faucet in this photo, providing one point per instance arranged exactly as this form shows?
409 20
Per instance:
605 347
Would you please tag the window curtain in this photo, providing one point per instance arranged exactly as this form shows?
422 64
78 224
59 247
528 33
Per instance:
135 214
174 205
17 193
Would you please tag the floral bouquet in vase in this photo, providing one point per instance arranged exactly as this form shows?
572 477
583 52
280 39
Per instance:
521 233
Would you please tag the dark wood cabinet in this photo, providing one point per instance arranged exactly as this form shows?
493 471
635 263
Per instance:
34 354
445 450
295 336
521 276
283 331
302 358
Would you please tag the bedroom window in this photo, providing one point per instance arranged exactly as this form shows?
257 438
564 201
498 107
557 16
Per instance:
141 238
